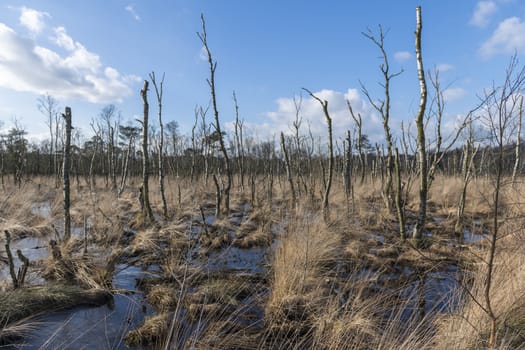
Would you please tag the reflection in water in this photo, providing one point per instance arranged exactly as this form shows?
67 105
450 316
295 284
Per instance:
95 328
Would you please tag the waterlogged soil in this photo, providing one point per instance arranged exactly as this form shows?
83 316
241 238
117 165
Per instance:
97 327
79 327
107 326
34 248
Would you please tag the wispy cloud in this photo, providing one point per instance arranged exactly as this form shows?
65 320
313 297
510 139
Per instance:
482 13
25 65
402 56
131 9
508 37
63 40
444 67
32 19
454 94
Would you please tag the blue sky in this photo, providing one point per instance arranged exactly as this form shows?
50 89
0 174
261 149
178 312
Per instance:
88 54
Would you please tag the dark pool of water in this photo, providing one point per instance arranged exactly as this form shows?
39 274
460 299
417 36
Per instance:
94 327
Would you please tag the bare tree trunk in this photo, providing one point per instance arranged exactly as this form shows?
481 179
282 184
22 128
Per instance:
400 205
112 159
349 190
383 107
239 142
359 146
217 196
348 164
422 155
518 144
211 83
146 210
301 181
158 92
324 104
288 169
193 147
65 170
469 152
55 156
125 166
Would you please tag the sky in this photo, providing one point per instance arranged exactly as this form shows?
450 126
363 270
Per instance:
88 54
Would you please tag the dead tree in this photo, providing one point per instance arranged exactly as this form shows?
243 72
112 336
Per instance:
194 146
501 107
107 114
349 190
158 91
17 277
131 133
298 154
146 206
211 82
239 142
517 161
288 168
399 200
359 144
328 182
48 106
469 152
422 155
436 108
65 171
383 107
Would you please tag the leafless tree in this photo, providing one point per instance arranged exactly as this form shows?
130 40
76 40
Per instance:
517 160
159 89
501 110
421 143
383 107
239 142
328 181
288 168
48 106
211 82
359 144
144 195
65 170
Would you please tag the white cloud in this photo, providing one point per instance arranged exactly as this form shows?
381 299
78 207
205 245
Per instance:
402 56
508 37
131 9
484 10
444 67
62 39
27 66
282 118
203 54
454 94
32 19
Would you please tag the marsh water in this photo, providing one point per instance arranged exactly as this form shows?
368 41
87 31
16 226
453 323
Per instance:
105 327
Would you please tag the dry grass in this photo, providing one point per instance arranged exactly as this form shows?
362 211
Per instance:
469 327
153 332
25 302
308 248
312 306
71 265
318 296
